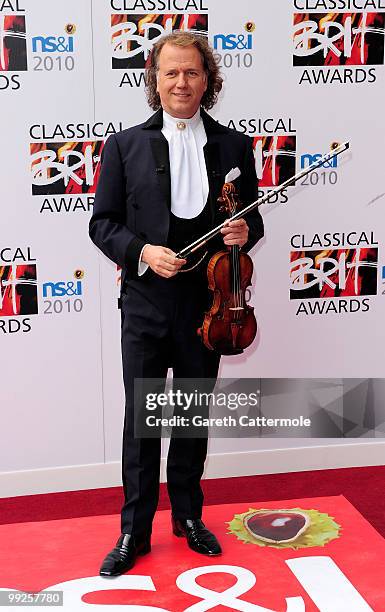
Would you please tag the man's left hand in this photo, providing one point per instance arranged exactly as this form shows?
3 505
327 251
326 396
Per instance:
235 232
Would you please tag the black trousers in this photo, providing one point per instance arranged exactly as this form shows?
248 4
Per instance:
160 318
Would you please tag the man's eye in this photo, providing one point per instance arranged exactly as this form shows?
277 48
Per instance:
170 74
192 73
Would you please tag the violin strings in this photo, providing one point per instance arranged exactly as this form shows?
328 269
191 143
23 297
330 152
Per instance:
236 271
233 268
238 301
239 279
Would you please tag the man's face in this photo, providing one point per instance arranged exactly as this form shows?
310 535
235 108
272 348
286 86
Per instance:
181 80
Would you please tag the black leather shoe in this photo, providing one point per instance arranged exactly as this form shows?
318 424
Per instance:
123 556
199 539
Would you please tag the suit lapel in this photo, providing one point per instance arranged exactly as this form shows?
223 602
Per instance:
159 147
212 158
214 131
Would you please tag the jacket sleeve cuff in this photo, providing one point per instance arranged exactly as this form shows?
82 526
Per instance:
142 267
133 253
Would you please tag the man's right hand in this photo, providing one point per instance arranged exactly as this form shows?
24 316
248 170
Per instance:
162 260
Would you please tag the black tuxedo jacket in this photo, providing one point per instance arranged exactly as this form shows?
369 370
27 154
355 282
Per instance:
133 197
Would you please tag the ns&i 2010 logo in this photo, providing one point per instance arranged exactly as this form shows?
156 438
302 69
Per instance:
234 50
55 44
55 52
50 52
19 291
64 295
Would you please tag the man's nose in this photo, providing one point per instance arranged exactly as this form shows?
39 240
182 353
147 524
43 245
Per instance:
182 80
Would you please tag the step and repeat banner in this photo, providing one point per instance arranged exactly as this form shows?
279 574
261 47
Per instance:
299 75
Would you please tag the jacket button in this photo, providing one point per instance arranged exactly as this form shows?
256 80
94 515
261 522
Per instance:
135 206
142 235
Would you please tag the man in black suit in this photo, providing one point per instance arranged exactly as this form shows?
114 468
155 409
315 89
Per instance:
158 190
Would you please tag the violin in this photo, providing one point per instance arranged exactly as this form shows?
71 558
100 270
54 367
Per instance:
230 325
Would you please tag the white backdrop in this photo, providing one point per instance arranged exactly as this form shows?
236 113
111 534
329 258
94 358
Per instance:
62 396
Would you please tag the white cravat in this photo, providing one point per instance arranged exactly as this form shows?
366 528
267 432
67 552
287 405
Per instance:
189 182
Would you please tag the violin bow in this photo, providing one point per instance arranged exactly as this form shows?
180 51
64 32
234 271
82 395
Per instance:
197 244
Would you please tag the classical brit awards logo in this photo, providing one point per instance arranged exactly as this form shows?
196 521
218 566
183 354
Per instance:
133 36
13 44
275 159
64 172
338 47
65 167
275 151
333 272
18 289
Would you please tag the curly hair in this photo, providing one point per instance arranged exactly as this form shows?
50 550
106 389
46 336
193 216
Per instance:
184 39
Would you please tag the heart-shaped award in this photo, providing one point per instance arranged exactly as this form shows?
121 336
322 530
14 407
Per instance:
276 526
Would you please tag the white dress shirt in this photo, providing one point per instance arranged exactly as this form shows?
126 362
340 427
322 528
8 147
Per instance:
189 182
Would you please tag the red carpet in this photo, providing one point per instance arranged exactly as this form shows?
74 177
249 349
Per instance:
362 486
344 575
